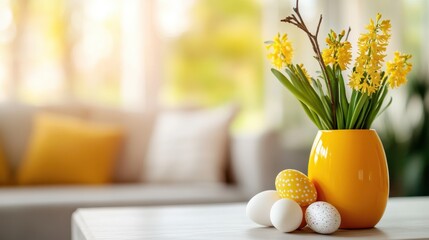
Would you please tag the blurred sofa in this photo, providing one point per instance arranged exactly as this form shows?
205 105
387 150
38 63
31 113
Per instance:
44 211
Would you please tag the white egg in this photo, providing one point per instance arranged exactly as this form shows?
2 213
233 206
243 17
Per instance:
286 215
322 217
259 207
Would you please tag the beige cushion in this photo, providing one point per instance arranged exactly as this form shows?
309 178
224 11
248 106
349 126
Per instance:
137 129
189 146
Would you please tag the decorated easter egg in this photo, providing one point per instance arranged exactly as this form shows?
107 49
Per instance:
322 217
259 207
286 215
294 185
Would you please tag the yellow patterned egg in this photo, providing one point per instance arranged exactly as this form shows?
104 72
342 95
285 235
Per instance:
294 185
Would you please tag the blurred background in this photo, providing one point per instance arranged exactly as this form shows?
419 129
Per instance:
147 55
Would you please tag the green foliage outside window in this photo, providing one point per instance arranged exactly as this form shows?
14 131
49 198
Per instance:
219 59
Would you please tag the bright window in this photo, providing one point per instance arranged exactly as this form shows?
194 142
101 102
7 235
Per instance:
134 54
213 54
67 50
144 54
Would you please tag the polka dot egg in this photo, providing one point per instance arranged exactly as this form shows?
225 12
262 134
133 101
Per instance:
294 185
322 217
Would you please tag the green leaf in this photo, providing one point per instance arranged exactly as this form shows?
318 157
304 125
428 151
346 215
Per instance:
343 95
301 82
363 113
377 104
325 101
294 90
385 107
357 110
310 103
309 88
340 118
333 84
378 112
313 117
351 108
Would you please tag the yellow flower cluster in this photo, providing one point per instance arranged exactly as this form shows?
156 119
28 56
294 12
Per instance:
367 75
337 52
324 98
282 51
398 69
305 72
372 45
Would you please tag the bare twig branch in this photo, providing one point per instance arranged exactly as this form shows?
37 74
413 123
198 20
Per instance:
348 32
298 21
318 25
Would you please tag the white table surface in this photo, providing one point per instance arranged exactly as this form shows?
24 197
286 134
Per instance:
405 218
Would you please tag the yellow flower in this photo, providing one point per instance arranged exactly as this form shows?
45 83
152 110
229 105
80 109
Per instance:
372 47
281 51
398 69
307 76
338 52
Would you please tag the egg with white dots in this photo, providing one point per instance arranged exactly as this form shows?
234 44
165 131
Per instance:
295 185
322 217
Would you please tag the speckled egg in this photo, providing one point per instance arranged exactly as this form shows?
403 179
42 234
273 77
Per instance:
294 185
322 217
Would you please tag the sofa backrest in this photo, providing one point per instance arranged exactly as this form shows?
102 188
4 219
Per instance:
16 124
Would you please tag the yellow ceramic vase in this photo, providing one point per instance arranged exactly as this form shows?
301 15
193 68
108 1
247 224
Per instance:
349 170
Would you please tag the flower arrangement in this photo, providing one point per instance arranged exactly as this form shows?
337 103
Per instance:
324 98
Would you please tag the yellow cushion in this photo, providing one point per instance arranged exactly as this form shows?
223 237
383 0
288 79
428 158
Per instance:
4 170
67 150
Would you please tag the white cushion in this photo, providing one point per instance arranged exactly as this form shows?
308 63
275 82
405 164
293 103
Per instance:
189 146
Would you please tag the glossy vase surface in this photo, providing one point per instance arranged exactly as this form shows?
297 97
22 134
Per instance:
349 170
